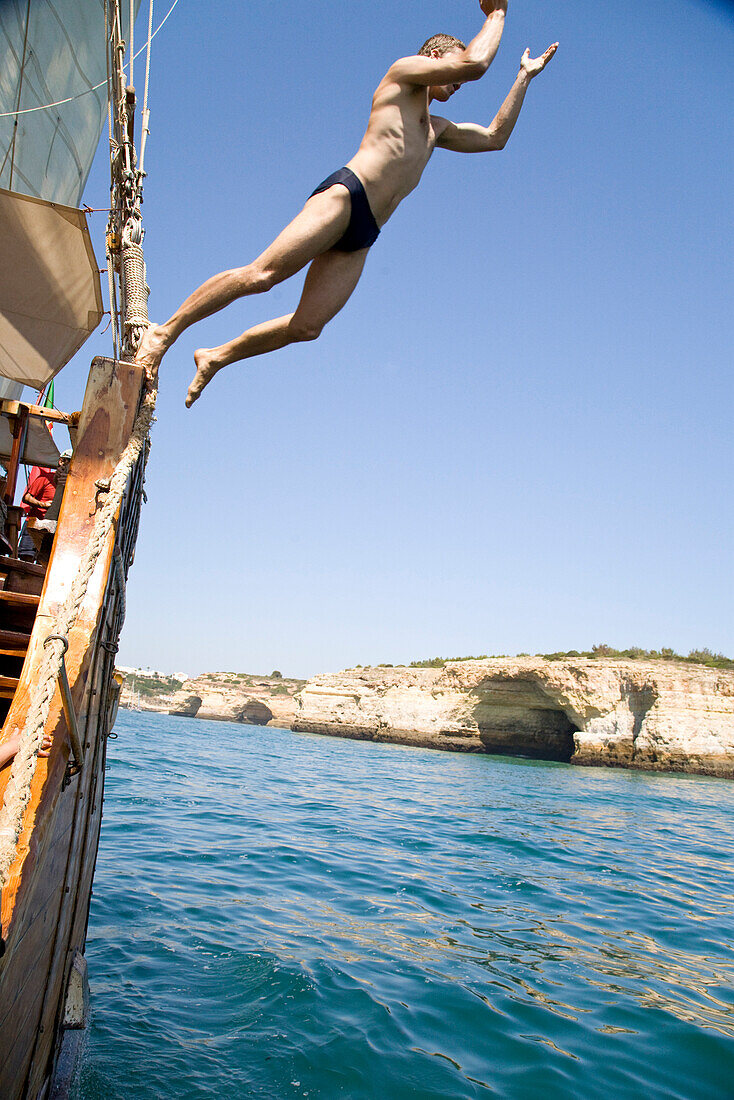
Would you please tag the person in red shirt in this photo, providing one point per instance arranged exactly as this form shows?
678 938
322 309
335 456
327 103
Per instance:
39 492
38 495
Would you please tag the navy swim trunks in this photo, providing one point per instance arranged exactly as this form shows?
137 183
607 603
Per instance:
362 231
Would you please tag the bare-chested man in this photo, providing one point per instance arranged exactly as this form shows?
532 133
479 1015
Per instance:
344 216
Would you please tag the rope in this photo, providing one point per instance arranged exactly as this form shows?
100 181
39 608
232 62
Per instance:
146 112
18 791
121 586
87 91
113 302
132 39
136 289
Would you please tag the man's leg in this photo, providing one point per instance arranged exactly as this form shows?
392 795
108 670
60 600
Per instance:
329 284
26 546
315 229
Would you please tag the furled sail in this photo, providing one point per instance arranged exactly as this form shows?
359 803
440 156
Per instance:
53 102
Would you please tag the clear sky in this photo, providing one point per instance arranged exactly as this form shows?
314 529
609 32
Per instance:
517 435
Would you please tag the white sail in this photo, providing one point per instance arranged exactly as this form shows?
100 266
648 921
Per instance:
53 104
52 51
50 294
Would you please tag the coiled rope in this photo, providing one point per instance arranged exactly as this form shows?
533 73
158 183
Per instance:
18 791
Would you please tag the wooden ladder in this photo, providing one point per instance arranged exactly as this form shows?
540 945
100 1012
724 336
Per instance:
18 605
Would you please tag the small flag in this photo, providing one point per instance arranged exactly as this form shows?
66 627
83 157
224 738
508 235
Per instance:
47 402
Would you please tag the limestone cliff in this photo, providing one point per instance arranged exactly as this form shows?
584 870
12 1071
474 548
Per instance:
217 696
665 715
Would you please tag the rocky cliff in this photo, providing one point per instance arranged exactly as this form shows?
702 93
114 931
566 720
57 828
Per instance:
218 696
663 715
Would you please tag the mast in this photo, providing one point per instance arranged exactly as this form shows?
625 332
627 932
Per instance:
124 239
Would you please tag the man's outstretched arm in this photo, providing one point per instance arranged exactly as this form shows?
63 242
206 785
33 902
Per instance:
461 65
468 137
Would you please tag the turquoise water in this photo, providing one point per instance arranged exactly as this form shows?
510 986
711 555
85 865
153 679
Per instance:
282 915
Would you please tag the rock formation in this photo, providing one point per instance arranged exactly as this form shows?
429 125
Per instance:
184 704
663 715
219 697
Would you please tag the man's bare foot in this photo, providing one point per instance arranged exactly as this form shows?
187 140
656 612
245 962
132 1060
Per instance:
153 347
206 368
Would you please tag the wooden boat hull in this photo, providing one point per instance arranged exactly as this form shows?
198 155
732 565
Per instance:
45 903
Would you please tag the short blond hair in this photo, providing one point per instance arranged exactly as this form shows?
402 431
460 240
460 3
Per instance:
442 43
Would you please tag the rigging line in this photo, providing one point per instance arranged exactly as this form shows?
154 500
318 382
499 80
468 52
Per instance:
132 39
71 98
107 59
20 89
146 112
110 274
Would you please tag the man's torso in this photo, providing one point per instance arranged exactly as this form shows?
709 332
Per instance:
41 486
396 147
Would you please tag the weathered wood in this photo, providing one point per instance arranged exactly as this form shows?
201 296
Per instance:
23 598
8 564
77 747
17 1052
12 525
8 684
33 951
107 417
31 585
20 424
13 408
14 638
86 829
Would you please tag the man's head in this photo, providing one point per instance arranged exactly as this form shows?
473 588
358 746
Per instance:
438 45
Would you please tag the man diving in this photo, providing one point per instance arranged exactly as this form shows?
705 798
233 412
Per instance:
343 217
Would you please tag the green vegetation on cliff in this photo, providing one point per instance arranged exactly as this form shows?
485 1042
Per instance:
154 685
634 653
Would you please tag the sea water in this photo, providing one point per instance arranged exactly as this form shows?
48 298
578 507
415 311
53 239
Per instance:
284 915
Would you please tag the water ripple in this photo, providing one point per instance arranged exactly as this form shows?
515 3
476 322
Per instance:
280 915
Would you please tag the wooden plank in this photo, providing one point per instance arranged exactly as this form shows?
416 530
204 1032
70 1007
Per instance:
86 821
50 888
14 638
96 800
27 583
13 408
78 886
17 1053
20 423
8 564
24 598
84 846
16 970
31 955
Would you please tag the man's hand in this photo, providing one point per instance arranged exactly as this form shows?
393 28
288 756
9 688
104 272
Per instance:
489 7
534 65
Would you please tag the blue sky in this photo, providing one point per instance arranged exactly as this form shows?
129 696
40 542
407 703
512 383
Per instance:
517 435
